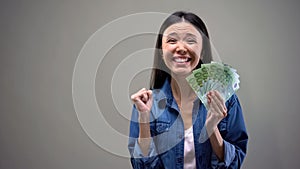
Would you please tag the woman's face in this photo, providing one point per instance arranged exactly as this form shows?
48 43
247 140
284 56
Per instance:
181 47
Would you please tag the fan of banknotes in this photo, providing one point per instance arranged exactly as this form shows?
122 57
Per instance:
214 76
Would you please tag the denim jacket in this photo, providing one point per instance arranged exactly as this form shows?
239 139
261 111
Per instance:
167 135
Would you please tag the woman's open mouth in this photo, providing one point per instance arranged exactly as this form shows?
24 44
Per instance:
181 59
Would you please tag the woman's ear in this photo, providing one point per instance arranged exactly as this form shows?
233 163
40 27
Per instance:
161 55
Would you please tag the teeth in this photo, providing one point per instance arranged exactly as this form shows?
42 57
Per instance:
181 60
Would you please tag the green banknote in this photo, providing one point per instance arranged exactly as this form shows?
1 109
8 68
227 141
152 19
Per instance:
214 76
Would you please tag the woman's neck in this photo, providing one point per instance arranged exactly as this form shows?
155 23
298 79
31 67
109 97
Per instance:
181 90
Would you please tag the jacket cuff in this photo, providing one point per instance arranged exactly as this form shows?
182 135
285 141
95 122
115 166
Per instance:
229 154
137 153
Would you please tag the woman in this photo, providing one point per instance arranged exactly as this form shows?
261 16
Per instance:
170 127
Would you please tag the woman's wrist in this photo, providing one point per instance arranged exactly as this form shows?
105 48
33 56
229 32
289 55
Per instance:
144 117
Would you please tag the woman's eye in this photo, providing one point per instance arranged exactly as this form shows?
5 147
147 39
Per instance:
191 41
171 41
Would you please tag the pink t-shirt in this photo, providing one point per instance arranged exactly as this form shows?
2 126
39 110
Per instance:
189 149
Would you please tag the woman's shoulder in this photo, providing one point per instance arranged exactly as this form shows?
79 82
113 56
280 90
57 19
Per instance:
233 100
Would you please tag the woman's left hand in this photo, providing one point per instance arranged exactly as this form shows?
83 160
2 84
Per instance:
216 109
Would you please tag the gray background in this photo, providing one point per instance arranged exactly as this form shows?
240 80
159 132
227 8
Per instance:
40 42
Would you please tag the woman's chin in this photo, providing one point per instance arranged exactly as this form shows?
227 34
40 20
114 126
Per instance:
181 72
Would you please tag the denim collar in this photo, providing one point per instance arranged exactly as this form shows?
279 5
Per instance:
165 94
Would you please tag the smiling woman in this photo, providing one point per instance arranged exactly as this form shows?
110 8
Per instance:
181 46
168 120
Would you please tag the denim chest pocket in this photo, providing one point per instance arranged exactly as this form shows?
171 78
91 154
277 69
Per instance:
162 136
162 126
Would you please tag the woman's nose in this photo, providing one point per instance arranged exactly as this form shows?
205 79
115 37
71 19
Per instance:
181 49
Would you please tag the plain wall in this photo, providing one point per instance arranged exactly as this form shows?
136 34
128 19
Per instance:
41 40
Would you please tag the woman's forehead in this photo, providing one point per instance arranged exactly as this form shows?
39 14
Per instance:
181 28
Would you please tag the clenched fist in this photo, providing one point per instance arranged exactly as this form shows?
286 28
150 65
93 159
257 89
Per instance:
143 102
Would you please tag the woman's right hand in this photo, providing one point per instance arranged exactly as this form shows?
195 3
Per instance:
143 102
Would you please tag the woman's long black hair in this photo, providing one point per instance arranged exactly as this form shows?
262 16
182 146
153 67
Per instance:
160 72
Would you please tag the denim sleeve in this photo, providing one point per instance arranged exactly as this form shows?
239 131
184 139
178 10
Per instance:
138 160
233 131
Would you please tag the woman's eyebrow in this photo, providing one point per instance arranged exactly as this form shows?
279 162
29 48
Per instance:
190 34
172 34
